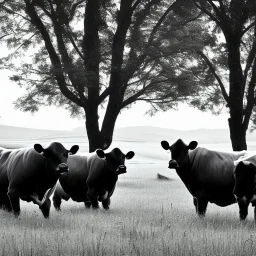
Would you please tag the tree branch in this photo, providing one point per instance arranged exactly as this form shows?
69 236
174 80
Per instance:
213 71
13 12
26 40
73 8
249 27
74 45
67 62
251 57
206 12
36 21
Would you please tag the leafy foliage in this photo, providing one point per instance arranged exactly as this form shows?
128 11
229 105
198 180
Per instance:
84 54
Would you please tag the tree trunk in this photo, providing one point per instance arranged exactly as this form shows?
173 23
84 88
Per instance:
237 135
236 94
99 138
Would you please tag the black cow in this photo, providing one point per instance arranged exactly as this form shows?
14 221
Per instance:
207 174
30 174
91 178
245 184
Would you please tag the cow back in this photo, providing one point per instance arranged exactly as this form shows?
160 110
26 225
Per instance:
22 165
212 166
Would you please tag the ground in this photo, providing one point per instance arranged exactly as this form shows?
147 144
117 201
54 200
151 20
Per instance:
147 216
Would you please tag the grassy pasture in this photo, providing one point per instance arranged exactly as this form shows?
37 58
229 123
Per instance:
146 217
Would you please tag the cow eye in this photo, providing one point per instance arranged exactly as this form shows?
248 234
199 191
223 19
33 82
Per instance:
65 154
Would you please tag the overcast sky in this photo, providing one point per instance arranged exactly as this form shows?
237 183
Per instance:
56 118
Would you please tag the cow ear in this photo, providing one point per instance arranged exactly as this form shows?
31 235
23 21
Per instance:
73 149
100 153
38 148
129 155
165 145
192 145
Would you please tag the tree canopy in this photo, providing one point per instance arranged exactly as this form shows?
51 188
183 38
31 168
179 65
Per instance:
233 61
83 54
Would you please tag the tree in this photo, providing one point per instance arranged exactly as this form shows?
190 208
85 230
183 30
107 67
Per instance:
235 20
92 53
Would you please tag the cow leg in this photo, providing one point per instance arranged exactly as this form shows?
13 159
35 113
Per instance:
106 203
15 201
6 204
243 210
93 199
201 207
87 203
195 203
45 208
56 201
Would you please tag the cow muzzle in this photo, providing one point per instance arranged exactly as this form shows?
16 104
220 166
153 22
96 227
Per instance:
62 168
173 164
121 169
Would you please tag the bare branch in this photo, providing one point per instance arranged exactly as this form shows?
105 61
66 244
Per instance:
25 42
74 44
212 69
13 12
1 37
249 27
73 8
36 21
251 57
193 19
206 12
136 4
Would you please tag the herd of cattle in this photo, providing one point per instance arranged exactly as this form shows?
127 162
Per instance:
34 174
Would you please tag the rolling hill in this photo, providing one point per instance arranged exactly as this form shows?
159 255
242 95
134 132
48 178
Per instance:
20 136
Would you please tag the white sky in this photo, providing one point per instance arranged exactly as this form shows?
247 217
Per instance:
185 118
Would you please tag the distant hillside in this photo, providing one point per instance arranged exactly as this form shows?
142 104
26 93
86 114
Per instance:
205 136
13 132
19 136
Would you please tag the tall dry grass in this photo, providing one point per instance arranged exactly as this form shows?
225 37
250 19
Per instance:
147 217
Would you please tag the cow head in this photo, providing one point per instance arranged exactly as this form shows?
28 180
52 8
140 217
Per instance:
244 174
115 160
179 152
56 156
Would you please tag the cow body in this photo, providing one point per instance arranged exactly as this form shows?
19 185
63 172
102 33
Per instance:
30 174
91 178
245 184
207 174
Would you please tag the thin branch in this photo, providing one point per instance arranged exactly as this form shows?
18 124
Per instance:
212 69
24 42
36 21
250 59
136 4
206 12
103 95
73 8
160 21
74 44
58 29
11 11
193 19
1 37
249 27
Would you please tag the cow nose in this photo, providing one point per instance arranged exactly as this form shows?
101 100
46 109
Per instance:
173 164
121 169
62 168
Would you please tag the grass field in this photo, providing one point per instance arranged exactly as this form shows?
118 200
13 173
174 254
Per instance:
147 216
